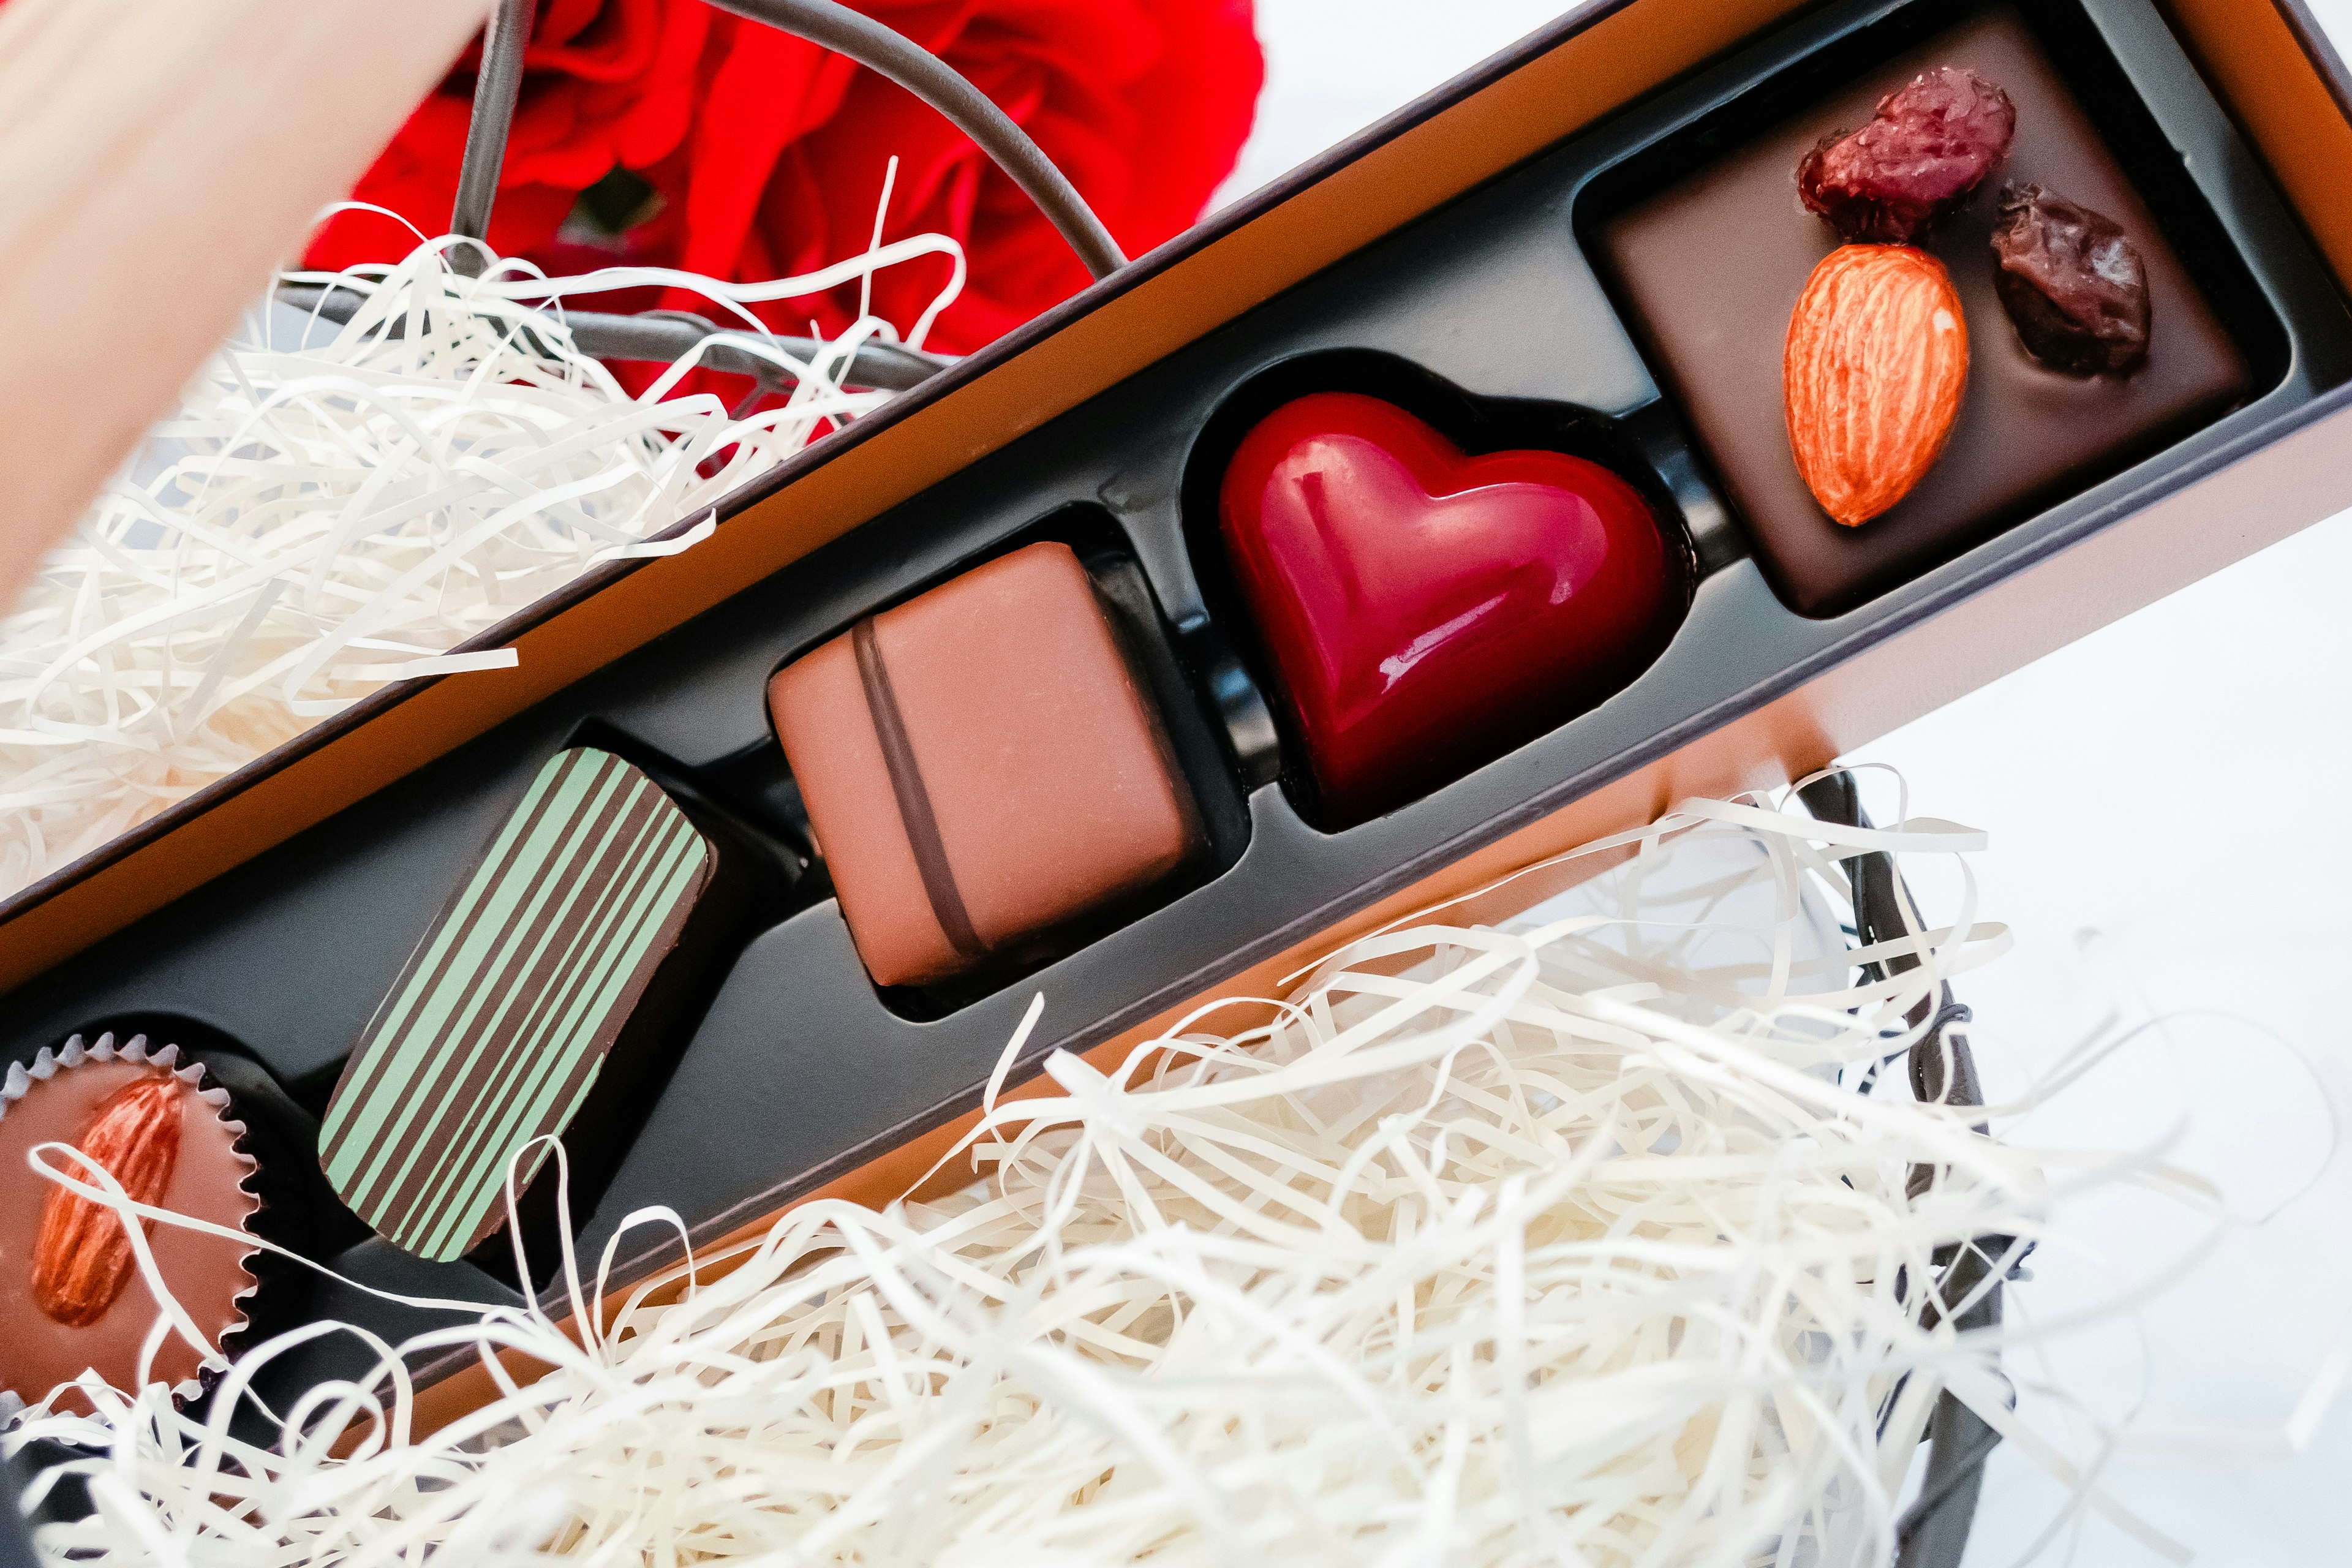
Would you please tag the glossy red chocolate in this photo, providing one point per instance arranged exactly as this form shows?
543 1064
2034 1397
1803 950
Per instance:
1426 610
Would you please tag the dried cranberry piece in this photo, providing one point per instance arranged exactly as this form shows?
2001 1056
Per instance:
1929 148
2072 282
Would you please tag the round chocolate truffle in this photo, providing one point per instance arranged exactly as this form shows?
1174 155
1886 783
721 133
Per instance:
71 1292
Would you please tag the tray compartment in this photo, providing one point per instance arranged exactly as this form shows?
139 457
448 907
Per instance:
1477 426
1203 755
1706 247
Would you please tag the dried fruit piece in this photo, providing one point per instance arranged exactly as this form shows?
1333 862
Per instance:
81 1257
2072 281
1930 145
1877 358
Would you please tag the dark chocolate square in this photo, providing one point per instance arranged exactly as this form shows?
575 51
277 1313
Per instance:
1713 266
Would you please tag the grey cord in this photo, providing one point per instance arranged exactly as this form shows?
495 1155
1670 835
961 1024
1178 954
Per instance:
931 79
496 89
836 28
668 334
1933 1532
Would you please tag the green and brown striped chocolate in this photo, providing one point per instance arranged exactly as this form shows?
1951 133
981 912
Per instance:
494 1031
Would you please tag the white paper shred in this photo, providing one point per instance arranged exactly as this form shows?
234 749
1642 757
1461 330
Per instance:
1588 1241
330 510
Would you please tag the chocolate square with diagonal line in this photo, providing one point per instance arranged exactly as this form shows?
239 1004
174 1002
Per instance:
982 767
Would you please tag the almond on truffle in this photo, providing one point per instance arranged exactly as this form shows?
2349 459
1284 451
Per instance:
1877 357
81 1256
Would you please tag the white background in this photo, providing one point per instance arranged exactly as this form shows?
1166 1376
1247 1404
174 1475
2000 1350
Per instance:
2169 783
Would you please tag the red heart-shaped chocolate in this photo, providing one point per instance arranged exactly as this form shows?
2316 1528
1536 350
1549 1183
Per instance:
1427 610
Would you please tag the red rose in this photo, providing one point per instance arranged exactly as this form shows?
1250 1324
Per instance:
606 82
1143 103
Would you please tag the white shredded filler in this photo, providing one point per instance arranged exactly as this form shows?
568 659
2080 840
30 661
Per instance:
330 510
1582 1242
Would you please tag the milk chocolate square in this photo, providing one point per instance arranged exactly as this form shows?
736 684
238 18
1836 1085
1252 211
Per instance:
979 767
1713 266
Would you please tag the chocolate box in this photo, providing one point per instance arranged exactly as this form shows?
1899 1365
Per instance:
1456 261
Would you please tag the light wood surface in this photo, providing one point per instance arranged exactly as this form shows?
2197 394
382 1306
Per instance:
157 158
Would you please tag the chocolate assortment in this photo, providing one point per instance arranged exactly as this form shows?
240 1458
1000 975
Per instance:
1620 446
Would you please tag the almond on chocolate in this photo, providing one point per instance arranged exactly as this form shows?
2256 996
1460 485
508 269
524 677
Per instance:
81 1257
72 1293
1877 358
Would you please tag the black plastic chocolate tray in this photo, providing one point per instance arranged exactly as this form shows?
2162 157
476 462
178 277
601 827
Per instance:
1487 318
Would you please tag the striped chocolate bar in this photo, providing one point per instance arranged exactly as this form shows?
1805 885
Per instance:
497 1029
